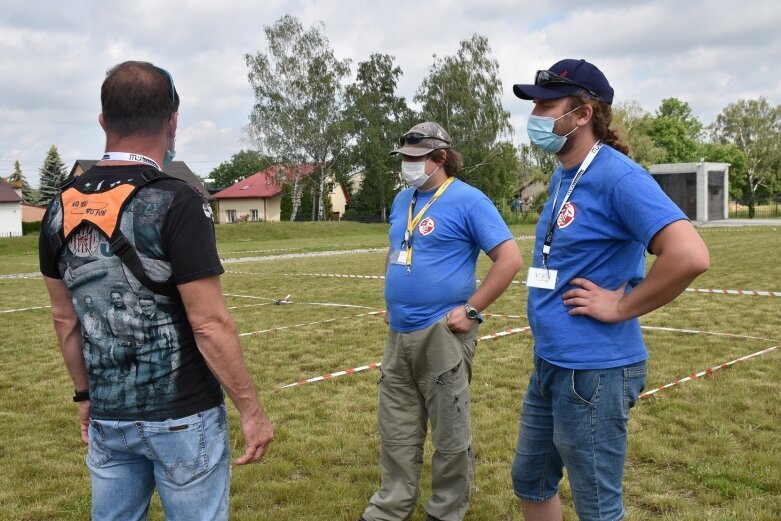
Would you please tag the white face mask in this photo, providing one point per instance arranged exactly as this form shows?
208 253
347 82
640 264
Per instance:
414 173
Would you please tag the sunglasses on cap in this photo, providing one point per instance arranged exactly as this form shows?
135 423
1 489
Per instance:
171 80
543 78
413 138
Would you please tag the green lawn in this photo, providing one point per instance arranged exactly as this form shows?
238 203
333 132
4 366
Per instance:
705 449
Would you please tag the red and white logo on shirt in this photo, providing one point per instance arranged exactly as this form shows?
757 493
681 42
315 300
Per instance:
84 242
566 216
426 226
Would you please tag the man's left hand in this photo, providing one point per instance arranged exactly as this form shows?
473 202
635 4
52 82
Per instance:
457 321
595 302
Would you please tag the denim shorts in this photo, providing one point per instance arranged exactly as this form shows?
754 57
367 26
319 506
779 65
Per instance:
186 459
576 419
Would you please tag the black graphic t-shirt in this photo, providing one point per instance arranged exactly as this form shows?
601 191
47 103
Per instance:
139 348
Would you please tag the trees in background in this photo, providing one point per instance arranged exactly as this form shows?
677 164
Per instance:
298 116
634 125
241 165
29 194
676 131
53 173
376 117
463 94
305 113
754 128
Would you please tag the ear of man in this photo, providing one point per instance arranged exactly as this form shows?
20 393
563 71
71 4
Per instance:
438 156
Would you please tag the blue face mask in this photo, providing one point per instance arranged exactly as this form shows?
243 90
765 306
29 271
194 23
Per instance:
169 155
541 135
170 152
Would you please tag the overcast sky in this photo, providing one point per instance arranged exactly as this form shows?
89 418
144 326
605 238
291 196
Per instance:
53 57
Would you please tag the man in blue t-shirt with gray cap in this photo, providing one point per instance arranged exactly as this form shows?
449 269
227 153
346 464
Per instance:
587 288
438 227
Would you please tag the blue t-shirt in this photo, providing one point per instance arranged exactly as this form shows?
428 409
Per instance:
445 246
611 217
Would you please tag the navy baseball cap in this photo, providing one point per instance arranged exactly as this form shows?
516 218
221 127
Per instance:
567 78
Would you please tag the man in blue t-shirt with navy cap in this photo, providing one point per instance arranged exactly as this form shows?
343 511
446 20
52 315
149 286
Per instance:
587 288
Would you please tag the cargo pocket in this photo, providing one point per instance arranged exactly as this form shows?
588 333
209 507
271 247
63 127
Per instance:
452 430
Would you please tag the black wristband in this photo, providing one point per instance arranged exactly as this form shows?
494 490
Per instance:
81 396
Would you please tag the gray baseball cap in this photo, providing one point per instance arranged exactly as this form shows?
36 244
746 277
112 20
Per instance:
423 139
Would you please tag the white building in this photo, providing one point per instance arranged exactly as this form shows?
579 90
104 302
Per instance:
10 211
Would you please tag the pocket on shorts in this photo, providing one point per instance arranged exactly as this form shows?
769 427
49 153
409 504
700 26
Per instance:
182 446
98 451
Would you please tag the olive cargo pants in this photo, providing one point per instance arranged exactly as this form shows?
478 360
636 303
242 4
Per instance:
425 377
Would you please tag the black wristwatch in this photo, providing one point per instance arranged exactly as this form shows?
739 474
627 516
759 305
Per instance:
471 312
81 396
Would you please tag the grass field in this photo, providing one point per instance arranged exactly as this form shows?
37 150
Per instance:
708 449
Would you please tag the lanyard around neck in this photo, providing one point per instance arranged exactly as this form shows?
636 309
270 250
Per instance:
136 158
406 244
546 247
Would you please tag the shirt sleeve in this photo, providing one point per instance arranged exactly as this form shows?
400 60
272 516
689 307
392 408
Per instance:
486 225
643 207
189 237
47 257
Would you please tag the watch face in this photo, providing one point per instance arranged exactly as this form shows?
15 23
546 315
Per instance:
471 312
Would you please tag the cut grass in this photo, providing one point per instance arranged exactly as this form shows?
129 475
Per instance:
707 449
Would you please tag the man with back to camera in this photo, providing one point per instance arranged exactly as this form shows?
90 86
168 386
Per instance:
125 224
586 291
438 227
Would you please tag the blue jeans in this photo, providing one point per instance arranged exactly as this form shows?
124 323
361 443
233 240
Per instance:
576 419
188 459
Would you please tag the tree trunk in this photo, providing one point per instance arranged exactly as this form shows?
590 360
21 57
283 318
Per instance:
296 196
320 206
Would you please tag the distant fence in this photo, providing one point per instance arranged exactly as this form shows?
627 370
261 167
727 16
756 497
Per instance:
765 208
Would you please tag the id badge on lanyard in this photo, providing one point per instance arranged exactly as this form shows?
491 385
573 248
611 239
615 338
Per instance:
544 277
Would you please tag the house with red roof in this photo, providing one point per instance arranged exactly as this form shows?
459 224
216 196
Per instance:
259 196
10 210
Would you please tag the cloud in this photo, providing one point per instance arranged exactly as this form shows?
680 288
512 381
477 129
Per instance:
53 57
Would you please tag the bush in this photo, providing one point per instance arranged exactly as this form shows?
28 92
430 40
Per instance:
31 228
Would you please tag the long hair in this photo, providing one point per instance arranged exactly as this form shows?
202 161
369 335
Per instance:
137 98
450 159
601 118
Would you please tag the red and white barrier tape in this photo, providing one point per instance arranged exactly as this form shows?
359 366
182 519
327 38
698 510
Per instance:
749 292
338 275
333 375
375 365
708 371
